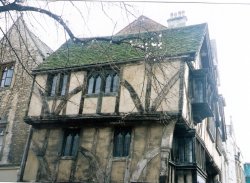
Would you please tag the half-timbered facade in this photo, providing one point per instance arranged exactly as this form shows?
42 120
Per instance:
143 107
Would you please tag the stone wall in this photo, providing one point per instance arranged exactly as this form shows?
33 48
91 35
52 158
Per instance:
19 48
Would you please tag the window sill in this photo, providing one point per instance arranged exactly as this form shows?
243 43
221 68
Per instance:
67 157
5 88
56 97
92 95
120 158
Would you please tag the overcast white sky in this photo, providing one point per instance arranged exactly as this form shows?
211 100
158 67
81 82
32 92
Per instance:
228 24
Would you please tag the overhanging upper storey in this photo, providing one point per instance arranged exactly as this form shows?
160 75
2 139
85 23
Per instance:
134 73
201 105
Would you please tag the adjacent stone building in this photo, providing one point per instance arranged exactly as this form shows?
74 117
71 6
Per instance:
233 165
20 52
143 107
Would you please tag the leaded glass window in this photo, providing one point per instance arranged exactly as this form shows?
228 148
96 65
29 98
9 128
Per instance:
106 82
122 140
57 84
70 142
7 75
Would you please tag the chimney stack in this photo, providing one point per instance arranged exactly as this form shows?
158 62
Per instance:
177 19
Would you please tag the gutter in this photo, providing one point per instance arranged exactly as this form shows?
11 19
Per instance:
185 57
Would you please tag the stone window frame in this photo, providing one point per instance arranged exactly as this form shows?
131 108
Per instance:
70 142
58 84
6 68
122 142
105 82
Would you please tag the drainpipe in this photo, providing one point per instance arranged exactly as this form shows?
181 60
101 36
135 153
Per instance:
25 156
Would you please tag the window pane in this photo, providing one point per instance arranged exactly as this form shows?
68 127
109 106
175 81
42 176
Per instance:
53 86
119 145
91 85
188 150
75 145
98 84
7 81
127 144
122 140
10 73
70 142
198 91
63 84
181 150
7 76
115 83
67 147
108 84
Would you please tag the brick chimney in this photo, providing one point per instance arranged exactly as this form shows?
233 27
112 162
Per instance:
177 19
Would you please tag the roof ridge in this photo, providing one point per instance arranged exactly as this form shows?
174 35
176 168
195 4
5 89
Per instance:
145 24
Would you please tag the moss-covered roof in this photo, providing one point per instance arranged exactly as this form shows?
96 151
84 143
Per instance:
169 42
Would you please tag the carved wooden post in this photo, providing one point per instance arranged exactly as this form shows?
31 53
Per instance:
166 145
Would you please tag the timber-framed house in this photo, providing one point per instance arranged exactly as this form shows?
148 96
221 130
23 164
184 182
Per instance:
143 107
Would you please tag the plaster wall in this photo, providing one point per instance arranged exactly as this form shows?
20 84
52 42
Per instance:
90 105
76 79
108 104
94 161
134 74
35 106
73 104
163 75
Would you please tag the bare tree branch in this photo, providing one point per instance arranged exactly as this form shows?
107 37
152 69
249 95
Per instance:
17 7
21 8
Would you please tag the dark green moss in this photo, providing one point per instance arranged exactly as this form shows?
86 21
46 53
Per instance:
169 42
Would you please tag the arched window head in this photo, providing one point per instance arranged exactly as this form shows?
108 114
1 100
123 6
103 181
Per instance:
57 84
91 84
108 83
98 84
115 83
122 141
70 142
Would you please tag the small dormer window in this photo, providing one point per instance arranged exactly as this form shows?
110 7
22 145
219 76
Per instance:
57 84
7 75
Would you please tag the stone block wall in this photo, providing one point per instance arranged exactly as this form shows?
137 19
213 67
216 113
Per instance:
20 48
